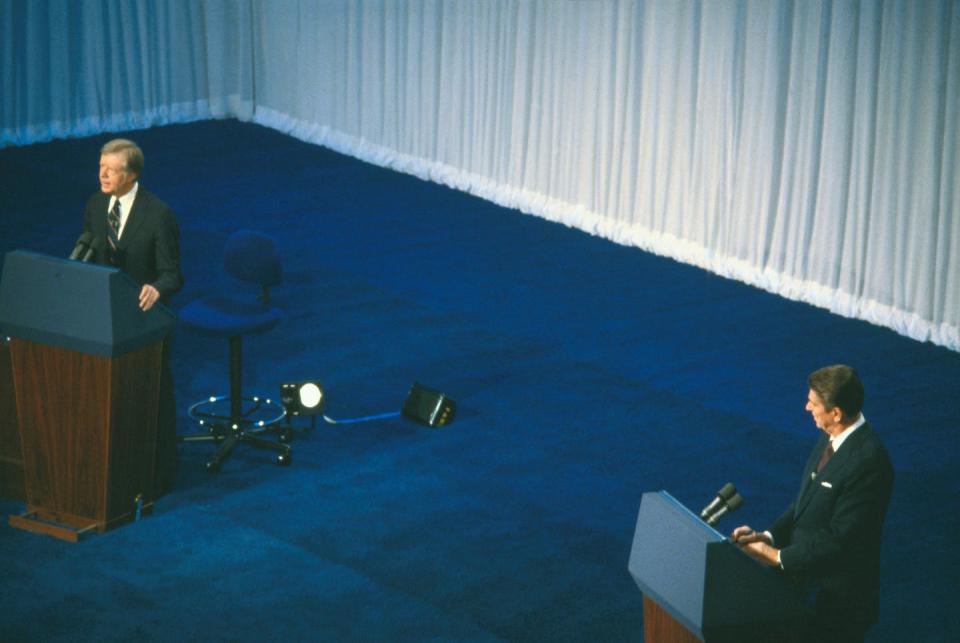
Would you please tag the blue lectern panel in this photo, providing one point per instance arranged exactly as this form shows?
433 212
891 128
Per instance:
79 306
669 557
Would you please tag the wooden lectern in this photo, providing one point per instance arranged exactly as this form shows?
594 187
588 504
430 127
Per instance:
698 586
86 374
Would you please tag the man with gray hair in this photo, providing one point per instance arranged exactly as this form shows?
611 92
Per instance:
138 233
829 538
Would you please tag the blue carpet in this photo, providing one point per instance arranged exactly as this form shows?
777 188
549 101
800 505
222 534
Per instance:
585 374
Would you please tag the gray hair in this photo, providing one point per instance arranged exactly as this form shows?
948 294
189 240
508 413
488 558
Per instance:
131 153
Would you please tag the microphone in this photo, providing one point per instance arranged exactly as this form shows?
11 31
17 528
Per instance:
725 493
95 245
728 507
82 244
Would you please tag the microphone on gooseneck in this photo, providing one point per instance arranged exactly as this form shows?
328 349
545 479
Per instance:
726 492
729 506
95 245
83 242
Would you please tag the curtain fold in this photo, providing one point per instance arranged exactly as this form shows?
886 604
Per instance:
75 68
808 148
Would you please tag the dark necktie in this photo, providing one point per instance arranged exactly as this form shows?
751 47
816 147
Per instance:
113 218
825 456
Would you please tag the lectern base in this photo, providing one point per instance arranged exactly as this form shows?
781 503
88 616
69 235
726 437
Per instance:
660 627
68 528
31 521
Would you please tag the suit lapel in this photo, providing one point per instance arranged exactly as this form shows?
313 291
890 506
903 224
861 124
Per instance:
103 209
833 466
807 479
101 225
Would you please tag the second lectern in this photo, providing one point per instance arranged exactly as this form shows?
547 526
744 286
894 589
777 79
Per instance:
86 373
698 586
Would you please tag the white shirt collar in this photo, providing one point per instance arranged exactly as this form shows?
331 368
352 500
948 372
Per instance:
837 440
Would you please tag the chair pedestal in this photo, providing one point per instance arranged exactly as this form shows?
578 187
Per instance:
233 419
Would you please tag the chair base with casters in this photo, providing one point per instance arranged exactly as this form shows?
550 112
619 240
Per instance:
234 419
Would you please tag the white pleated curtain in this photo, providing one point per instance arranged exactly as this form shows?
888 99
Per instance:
809 148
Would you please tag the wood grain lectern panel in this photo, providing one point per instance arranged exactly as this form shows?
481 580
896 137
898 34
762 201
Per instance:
88 431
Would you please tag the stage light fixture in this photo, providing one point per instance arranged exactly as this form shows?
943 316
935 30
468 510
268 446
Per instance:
302 398
429 407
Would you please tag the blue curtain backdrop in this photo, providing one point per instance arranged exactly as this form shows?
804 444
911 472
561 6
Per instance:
809 148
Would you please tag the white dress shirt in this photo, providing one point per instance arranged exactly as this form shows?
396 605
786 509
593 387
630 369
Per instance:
126 202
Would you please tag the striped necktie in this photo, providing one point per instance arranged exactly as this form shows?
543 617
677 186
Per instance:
113 218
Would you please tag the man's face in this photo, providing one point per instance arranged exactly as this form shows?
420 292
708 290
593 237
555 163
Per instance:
823 418
114 179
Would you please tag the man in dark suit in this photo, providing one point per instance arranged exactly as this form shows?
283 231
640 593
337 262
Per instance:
136 232
829 537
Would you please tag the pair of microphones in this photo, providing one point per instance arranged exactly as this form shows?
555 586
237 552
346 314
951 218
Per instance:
85 247
727 501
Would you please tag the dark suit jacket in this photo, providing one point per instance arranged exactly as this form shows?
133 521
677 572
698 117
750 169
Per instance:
149 249
830 535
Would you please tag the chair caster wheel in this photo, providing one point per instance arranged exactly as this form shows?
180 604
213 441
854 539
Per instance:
286 435
284 459
213 467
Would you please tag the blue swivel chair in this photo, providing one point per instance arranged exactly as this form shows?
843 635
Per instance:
250 257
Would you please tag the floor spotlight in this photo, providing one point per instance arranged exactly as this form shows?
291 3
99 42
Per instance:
302 398
429 407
